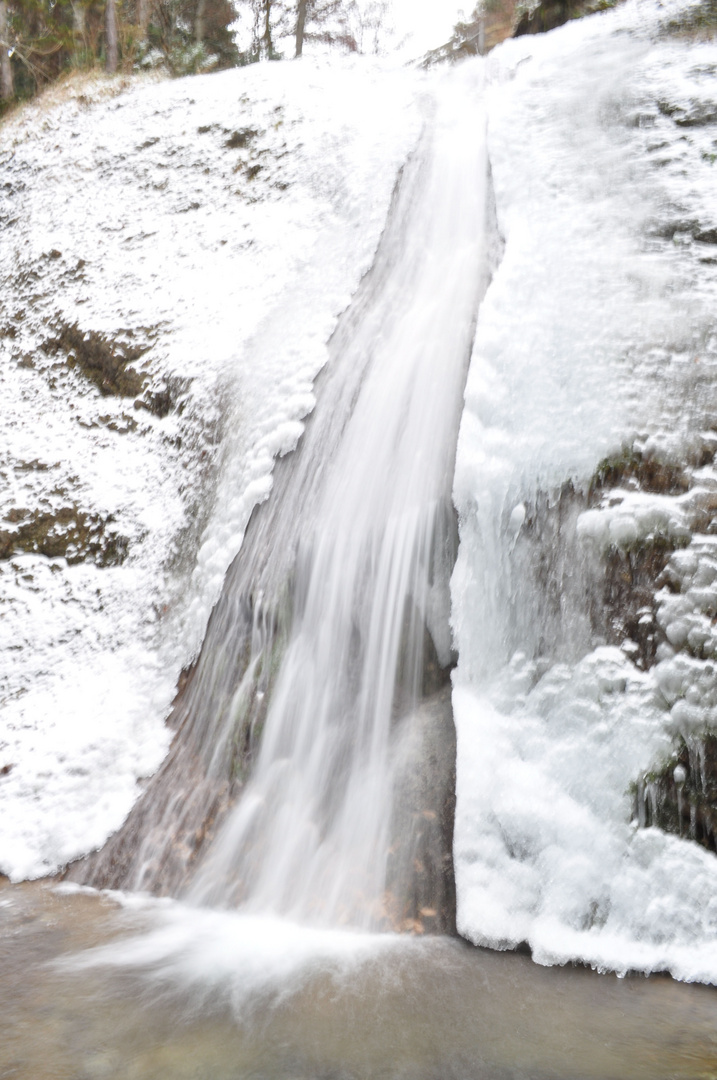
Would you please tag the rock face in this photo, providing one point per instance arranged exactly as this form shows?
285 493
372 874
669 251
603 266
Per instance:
421 894
645 531
658 602
681 798
546 16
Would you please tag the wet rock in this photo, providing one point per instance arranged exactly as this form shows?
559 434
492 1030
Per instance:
548 14
639 544
696 114
545 16
698 20
648 473
421 896
681 796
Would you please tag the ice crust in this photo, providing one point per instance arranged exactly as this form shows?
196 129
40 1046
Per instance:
596 334
233 262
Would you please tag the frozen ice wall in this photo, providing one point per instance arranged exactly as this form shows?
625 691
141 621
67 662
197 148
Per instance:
596 333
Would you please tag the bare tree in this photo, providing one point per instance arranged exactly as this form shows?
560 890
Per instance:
370 20
78 18
199 21
111 36
143 17
300 26
267 39
7 89
327 21
78 31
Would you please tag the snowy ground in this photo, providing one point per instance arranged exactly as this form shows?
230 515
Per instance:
598 333
222 223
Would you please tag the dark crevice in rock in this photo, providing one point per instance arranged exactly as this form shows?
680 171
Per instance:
420 893
625 614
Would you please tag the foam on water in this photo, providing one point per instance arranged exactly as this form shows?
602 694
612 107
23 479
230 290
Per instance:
247 962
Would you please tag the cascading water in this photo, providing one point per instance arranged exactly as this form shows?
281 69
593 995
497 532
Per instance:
336 611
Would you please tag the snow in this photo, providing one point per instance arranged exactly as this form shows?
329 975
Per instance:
234 276
596 334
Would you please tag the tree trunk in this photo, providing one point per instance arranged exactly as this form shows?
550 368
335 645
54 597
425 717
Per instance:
268 43
143 18
199 22
111 36
78 18
78 31
7 90
300 24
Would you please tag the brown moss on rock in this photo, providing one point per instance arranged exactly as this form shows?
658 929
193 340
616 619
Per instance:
68 533
634 469
110 363
104 361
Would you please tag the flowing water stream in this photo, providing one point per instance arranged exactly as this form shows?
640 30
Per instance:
174 995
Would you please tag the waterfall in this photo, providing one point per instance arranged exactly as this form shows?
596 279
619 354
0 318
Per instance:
335 616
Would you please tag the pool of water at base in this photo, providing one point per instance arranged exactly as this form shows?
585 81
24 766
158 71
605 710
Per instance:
217 1004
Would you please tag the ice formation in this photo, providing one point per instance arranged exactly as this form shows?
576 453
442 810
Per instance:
596 336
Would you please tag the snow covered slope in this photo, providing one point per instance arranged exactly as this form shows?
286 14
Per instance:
174 257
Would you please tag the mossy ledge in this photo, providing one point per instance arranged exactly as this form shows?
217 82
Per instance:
110 363
68 533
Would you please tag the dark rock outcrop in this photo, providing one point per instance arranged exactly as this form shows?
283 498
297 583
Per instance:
681 797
